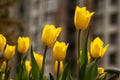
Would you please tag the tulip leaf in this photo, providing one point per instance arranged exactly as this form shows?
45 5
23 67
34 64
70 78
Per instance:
51 76
65 72
35 67
91 71
69 77
83 59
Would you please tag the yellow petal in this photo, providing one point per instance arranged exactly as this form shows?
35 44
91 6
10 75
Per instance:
98 41
28 66
96 51
104 50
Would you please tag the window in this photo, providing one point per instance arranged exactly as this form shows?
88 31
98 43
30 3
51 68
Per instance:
113 38
113 18
113 58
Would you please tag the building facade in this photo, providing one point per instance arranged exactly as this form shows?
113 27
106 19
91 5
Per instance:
107 26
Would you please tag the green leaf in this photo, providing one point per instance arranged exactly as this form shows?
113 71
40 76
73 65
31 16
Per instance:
83 59
35 67
65 72
91 71
69 77
51 76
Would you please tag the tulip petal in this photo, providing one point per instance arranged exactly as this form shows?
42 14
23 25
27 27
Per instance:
104 50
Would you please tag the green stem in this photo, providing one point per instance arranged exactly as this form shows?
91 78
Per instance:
79 43
79 51
6 71
43 63
58 70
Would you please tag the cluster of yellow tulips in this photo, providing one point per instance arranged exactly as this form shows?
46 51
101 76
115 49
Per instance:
33 69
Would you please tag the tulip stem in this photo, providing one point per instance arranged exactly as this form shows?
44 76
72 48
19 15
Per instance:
58 70
43 63
79 51
79 43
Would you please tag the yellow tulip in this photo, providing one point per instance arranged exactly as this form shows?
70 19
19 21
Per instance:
59 51
3 76
9 52
3 66
50 34
2 42
82 18
56 66
101 72
96 48
28 66
39 59
23 44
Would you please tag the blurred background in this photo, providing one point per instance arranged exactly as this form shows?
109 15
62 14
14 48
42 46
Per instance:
28 17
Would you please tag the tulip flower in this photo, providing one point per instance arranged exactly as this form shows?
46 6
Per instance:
28 66
50 34
9 52
101 72
59 50
56 66
3 76
2 42
23 44
82 18
96 48
3 66
39 59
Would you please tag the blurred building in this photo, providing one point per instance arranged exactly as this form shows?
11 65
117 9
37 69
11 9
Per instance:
107 26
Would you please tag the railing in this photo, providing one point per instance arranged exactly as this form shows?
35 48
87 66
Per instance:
113 73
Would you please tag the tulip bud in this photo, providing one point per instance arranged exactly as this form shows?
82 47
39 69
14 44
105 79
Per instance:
96 48
9 52
59 51
39 59
50 34
82 18
23 44
3 66
28 66
101 72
